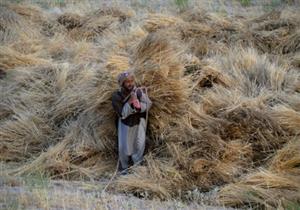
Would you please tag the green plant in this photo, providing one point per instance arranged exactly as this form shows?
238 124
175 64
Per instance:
245 2
293 206
276 3
272 5
12 203
16 1
182 4
37 180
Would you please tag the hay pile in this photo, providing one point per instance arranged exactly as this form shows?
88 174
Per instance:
230 131
12 59
162 78
276 186
52 125
94 25
225 95
13 26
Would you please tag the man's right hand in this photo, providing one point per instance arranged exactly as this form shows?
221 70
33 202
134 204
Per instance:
134 102
132 98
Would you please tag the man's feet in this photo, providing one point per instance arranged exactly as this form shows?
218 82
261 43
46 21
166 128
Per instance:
123 171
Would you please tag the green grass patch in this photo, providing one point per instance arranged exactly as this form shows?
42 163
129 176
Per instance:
293 206
181 4
245 3
37 181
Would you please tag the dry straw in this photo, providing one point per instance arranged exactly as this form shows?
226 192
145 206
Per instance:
225 93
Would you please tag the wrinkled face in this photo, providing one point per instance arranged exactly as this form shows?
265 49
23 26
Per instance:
128 84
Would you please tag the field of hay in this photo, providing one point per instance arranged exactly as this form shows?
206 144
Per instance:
225 87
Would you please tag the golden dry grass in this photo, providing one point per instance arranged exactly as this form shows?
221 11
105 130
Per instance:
276 187
12 59
225 93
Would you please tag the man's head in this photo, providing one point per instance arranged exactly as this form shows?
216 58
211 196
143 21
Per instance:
126 80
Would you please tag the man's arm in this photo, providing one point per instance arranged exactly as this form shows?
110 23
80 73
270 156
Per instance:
127 110
117 104
123 111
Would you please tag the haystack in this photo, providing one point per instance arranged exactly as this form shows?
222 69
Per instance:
95 24
25 128
59 48
151 181
295 60
206 76
11 59
51 28
169 92
243 83
287 159
82 151
159 21
229 132
253 74
290 44
67 135
28 46
117 64
287 118
196 30
36 20
121 14
70 20
14 26
30 12
199 22
128 41
252 79
24 136
276 32
273 188
92 28
157 66
199 15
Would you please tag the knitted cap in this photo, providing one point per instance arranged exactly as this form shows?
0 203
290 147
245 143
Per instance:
123 76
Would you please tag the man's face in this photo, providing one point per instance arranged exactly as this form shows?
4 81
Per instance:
129 83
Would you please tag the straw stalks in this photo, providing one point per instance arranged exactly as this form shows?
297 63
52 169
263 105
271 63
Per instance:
225 93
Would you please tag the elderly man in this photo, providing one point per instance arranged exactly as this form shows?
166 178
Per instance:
131 105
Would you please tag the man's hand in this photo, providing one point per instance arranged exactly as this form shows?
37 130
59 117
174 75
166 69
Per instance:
134 102
132 98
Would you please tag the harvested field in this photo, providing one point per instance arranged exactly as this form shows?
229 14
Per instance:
225 90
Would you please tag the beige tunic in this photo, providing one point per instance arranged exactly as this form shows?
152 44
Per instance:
131 139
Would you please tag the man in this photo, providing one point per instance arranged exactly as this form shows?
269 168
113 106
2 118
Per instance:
131 105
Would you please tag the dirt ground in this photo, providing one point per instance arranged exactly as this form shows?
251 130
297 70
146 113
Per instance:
39 193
